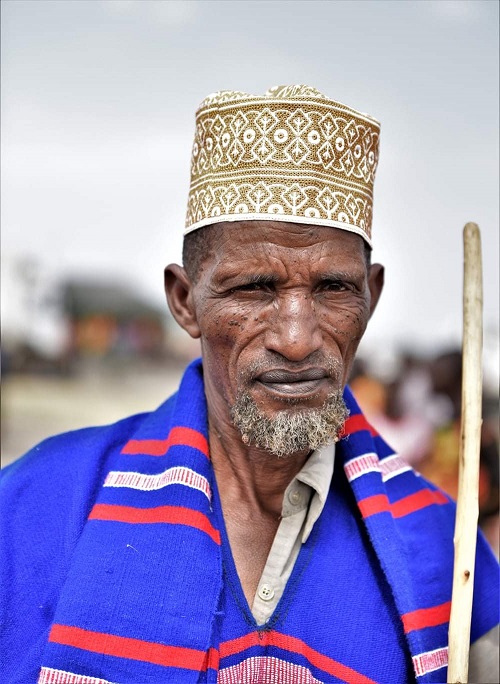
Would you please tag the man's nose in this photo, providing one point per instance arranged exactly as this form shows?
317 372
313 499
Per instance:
294 330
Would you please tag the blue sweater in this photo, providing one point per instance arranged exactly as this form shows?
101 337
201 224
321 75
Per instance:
116 566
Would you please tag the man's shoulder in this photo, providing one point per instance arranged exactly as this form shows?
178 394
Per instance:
45 500
70 450
69 465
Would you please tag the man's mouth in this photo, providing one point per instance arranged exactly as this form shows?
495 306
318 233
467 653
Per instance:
296 383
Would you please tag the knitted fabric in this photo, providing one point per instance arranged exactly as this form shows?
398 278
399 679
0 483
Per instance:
140 592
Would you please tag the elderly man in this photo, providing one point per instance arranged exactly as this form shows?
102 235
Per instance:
255 528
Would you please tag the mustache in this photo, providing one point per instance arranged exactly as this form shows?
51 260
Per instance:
330 366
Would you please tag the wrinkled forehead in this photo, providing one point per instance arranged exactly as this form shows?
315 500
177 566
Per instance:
234 236
248 243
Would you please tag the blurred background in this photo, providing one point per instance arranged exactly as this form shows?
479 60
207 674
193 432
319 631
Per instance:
98 103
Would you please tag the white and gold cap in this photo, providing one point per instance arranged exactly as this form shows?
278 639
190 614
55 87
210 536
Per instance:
289 155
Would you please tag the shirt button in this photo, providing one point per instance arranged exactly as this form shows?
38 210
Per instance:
295 497
266 592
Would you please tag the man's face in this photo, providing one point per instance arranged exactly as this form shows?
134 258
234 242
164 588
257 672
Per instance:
280 309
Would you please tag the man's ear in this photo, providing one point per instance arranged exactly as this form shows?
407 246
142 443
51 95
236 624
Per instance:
179 292
376 284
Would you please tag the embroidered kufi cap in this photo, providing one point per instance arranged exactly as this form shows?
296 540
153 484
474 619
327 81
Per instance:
289 155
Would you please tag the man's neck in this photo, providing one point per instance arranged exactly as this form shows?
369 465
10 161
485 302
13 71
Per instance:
251 476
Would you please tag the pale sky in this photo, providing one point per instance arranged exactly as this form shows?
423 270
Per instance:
98 102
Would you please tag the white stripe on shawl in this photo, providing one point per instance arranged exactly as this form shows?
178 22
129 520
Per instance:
266 668
430 661
50 676
369 463
176 475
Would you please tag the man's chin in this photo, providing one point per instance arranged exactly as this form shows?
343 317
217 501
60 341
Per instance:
295 427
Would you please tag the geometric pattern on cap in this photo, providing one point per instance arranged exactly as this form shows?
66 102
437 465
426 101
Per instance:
289 155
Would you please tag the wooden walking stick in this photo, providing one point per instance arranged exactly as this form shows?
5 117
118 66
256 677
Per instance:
468 477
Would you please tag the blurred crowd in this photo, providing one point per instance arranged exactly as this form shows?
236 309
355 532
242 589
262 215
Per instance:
417 409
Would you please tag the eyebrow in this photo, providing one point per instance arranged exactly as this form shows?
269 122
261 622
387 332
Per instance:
249 279
341 275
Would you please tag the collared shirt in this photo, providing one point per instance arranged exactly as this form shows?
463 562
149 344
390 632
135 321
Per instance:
303 503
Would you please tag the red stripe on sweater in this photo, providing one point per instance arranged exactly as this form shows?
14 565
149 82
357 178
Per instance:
355 424
293 645
379 503
133 649
159 447
417 501
176 515
229 648
427 617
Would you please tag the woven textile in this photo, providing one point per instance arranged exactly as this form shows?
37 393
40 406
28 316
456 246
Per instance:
123 574
290 155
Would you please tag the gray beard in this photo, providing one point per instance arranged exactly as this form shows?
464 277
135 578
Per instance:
289 431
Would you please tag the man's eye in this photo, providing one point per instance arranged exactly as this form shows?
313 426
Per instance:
255 286
334 286
250 287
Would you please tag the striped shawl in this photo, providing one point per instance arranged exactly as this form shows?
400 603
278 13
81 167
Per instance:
143 582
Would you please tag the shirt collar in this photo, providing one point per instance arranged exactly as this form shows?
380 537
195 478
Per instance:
317 474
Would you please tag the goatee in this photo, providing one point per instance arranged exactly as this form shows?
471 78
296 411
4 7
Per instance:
289 431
